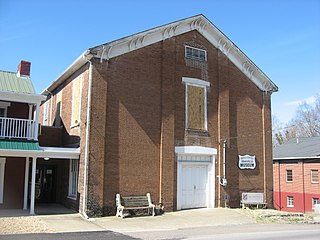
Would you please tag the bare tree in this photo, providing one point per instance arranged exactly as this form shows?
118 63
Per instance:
306 122
277 131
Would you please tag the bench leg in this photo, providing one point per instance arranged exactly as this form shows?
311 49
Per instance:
119 212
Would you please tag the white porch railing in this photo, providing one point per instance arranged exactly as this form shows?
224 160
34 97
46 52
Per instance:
17 128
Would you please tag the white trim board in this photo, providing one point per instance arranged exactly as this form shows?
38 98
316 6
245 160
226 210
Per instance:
195 150
199 23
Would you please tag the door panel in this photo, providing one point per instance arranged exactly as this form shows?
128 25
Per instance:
194 186
45 183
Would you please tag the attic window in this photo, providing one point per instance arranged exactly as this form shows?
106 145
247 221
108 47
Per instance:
195 53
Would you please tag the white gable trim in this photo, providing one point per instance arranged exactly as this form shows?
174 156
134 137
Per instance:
204 27
146 38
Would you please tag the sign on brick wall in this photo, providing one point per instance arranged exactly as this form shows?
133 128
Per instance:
247 162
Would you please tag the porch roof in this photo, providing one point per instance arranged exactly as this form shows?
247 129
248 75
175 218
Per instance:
19 145
32 149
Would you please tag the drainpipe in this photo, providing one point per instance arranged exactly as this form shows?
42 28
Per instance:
223 181
86 157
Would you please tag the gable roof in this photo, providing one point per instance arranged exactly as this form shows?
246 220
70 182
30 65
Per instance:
298 148
10 82
139 40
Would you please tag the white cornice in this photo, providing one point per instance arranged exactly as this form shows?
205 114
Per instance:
204 27
146 38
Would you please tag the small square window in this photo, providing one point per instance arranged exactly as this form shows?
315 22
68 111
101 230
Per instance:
195 53
289 176
315 201
290 201
314 176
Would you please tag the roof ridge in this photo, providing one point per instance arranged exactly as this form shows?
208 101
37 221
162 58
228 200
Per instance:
7 71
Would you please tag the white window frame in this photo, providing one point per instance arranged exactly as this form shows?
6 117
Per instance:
2 171
289 181
315 201
196 83
314 170
45 120
73 178
5 105
290 201
197 49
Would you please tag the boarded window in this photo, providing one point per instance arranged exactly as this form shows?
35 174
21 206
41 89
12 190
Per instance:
76 102
46 113
314 176
289 176
196 107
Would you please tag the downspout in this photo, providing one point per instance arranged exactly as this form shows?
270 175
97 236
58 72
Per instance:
223 180
86 157
303 188
279 179
264 147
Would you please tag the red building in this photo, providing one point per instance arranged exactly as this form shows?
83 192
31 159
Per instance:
296 166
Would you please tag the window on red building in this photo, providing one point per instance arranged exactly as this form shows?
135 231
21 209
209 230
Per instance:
315 201
289 175
314 176
290 201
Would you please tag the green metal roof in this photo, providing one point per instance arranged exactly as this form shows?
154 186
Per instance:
19 145
10 82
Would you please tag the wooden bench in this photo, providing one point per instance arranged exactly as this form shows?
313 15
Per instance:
253 199
134 203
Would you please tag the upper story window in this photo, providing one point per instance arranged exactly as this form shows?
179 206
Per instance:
195 53
289 175
196 103
76 101
45 120
314 176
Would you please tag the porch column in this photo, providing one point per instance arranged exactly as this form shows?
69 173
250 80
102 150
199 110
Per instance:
26 185
33 184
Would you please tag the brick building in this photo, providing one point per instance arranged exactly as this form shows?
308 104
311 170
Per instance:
296 167
166 111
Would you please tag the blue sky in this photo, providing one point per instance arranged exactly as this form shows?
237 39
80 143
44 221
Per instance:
281 36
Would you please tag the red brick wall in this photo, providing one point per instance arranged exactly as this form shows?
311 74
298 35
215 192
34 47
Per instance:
13 183
301 188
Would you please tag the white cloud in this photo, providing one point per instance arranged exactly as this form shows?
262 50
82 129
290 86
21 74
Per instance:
310 100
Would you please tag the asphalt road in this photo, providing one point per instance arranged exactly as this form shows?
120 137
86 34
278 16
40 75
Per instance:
239 232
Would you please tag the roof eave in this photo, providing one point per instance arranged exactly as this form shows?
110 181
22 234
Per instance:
78 63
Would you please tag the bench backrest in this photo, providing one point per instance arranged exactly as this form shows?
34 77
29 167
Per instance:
134 201
252 198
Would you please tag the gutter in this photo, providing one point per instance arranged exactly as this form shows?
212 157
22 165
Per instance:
85 57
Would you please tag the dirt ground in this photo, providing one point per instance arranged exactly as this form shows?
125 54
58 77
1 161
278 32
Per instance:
29 224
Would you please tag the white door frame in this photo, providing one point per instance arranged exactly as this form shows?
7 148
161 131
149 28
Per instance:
197 151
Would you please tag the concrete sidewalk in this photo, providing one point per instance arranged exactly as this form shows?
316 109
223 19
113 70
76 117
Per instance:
168 221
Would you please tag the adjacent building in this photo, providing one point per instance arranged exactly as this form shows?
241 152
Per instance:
296 167
23 180
166 111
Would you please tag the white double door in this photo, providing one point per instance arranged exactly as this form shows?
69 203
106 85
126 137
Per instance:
195 184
